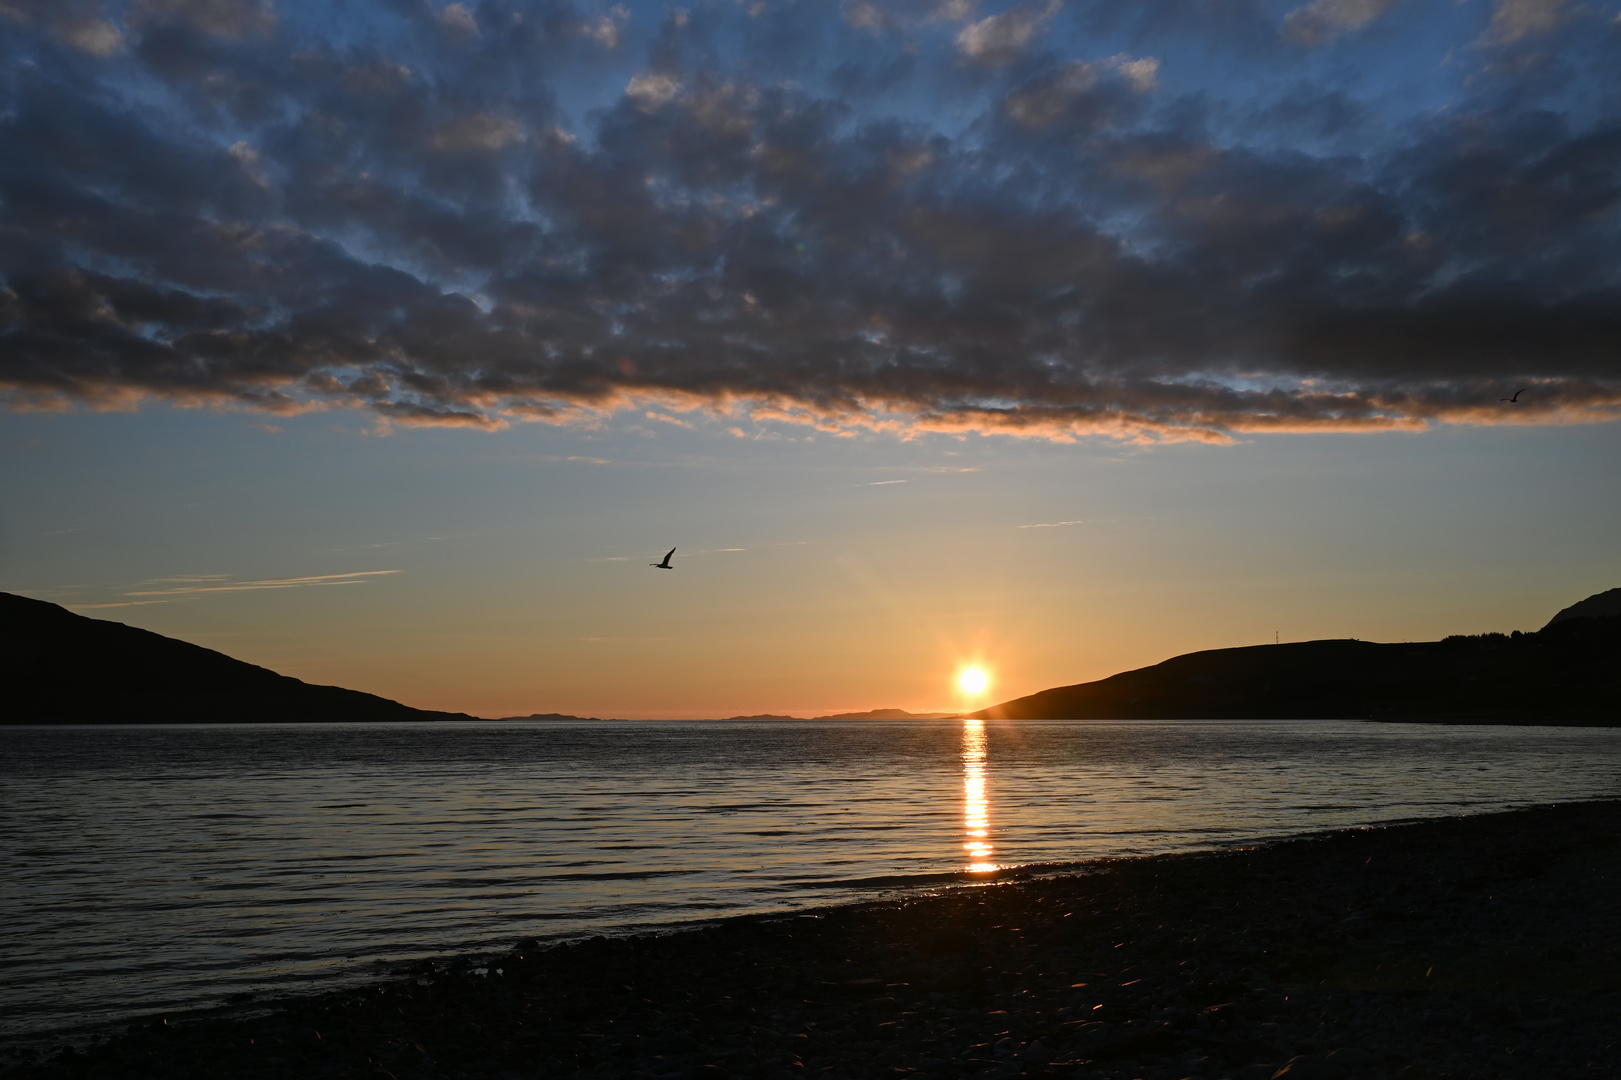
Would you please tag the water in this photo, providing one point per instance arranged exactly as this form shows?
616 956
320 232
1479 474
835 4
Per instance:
152 869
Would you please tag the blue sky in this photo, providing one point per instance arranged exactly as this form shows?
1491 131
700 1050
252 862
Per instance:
1063 336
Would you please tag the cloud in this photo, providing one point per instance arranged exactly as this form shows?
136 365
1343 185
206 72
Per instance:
1322 20
997 40
220 584
1516 20
119 603
868 16
610 28
651 92
194 586
458 19
78 23
1086 94
1032 230
479 132
233 19
1050 524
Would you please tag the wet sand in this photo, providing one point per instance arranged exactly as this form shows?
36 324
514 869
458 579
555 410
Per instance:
1466 947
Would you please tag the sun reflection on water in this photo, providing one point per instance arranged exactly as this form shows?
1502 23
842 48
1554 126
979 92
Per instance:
976 808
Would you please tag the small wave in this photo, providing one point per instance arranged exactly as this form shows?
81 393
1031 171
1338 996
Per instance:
624 875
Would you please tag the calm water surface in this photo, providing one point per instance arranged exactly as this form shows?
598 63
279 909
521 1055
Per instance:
158 868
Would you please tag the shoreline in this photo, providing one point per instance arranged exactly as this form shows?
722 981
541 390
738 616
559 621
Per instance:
1470 946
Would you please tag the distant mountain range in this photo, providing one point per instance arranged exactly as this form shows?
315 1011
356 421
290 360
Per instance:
58 667
870 714
1569 672
61 668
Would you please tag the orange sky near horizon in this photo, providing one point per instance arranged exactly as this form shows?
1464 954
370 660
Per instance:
506 574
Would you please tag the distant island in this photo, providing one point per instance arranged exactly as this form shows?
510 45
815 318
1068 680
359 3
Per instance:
1569 672
553 718
62 668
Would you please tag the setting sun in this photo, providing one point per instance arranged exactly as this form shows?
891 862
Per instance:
973 680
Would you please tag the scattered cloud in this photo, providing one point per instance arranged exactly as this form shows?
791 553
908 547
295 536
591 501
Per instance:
166 590
209 205
997 40
609 29
478 132
1322 20
1051 524
459 19
220 583
651 92
113 604
1516 20
880 483
230 19
80 24
868 16
665 418
1085 94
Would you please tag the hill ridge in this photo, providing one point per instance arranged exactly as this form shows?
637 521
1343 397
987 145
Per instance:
1568 672
63 668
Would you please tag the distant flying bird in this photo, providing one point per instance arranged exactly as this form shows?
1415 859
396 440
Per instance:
1515 400
665 565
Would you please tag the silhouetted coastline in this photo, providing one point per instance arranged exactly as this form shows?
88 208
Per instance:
1462 947
1568 673
62 668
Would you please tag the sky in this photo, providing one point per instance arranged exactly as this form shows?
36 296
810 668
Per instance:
386 343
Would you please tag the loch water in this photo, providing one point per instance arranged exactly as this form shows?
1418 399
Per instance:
153 869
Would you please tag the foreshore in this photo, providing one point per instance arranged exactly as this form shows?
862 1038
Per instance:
1470 947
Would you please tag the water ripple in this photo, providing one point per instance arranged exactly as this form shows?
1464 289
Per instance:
161 868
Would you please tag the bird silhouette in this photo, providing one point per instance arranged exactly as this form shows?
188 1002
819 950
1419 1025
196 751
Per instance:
665 565
1515 400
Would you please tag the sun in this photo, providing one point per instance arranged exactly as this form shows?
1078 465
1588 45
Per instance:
973 681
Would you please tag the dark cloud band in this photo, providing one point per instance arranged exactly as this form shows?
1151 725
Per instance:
213 203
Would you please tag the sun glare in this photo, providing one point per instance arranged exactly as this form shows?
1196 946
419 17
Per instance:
976 807
973 681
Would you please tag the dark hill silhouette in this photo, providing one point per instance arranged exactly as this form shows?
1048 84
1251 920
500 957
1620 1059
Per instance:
62 668
1567 673
1598 606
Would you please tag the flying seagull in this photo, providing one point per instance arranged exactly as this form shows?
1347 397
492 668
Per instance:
1515 400
665 565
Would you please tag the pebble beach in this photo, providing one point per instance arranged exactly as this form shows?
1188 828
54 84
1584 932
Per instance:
1479 946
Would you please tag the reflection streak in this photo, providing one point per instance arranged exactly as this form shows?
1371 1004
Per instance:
976 810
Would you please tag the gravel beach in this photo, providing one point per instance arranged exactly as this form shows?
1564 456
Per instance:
1479 946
